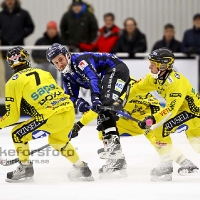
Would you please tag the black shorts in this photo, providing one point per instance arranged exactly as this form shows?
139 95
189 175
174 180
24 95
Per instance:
114 84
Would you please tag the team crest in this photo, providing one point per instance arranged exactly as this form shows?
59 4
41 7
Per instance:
15 77
177 76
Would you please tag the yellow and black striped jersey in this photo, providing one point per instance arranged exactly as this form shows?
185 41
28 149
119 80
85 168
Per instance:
176 90
36 92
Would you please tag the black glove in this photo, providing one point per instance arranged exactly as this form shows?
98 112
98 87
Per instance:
144 125
81 105
96 103
77 127
118 104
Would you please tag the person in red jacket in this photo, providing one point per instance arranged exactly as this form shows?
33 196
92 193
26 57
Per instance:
108 36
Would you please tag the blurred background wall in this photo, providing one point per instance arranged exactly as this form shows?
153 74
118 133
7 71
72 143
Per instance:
151 15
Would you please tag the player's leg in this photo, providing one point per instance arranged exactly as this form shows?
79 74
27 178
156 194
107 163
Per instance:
57 128
123 126
127 126
193 133
163 145
21 135
59 140
114 84
193 136
176 155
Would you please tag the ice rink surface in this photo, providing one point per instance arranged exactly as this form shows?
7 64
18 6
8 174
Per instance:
50 180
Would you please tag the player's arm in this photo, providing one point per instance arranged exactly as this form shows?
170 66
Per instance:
70 88
144 85
12 104
174 100
85 66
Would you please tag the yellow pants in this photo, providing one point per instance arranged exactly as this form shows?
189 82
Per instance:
191 128
57 128
127 126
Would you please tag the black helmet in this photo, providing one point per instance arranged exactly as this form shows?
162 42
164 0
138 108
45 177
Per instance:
162 56
17 56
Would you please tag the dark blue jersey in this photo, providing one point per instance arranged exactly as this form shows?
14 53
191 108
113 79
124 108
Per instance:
87 71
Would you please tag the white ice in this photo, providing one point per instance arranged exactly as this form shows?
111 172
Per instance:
50 180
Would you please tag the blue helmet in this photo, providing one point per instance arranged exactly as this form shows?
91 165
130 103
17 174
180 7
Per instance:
55 50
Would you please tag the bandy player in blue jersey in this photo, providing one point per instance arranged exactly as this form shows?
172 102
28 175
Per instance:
107 77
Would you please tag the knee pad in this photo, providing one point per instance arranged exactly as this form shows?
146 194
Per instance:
105 120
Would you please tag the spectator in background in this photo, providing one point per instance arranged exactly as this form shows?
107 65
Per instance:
108 36
191 39
78 25
50 37
132 40
15 25
168 40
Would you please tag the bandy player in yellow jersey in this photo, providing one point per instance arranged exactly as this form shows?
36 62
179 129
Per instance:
138 106
52 114
182 110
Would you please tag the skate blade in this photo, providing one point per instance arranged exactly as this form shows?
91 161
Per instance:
113 155
185 172
166 177
27 179
112 175
82 179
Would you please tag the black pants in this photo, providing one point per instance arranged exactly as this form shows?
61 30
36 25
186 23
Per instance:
114 84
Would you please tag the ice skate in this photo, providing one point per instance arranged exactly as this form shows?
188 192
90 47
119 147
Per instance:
23 171
188 168
80 173
112 148
163 172
114 168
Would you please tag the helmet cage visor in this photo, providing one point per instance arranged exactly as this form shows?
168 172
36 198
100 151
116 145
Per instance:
162 63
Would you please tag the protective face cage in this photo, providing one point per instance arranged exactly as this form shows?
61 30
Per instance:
17 56
55 50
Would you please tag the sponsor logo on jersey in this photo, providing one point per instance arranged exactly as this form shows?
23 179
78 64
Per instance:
115 96
15 77
177 75
39 134
178 120
119 85
10 99
170 108
181 128
175 95
82 65
53 103
170 80
161 144
27 128
47 89
50 97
